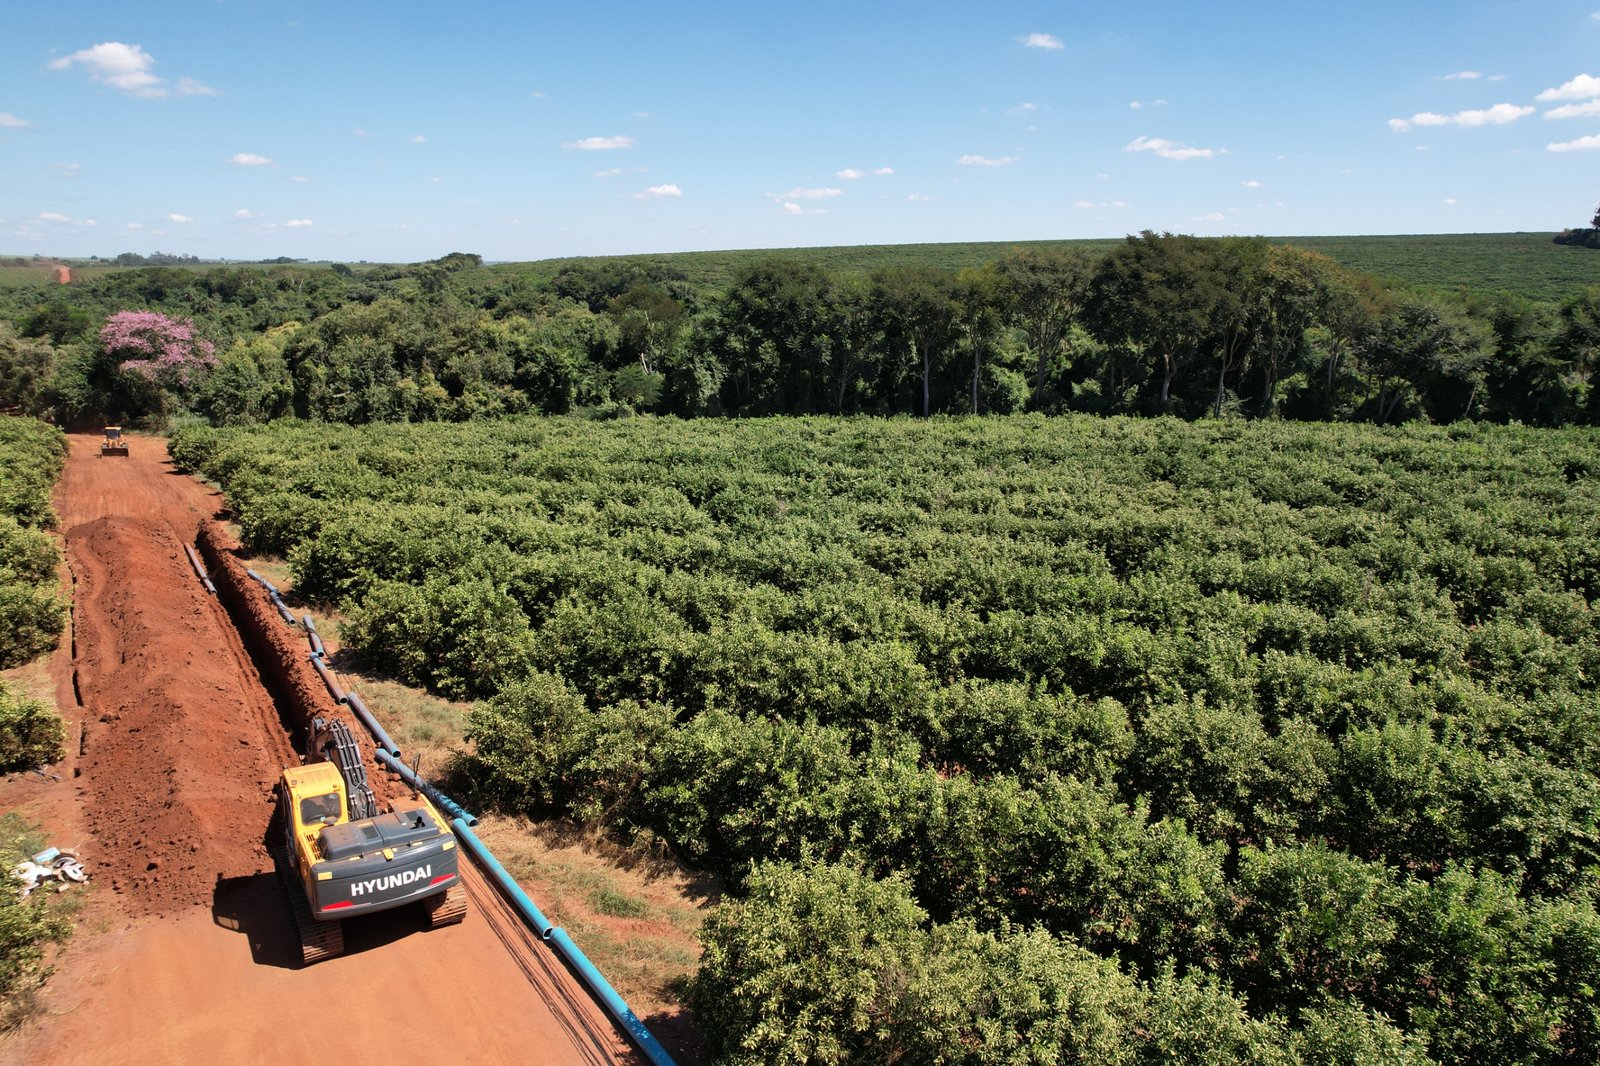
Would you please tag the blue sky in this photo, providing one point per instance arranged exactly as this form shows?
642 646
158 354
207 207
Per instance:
400 131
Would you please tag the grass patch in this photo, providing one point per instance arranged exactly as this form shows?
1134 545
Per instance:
636 916
614 904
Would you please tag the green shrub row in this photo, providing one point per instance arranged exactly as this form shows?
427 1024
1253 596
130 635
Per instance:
32 616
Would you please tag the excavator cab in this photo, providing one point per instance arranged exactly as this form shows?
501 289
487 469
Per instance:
114 443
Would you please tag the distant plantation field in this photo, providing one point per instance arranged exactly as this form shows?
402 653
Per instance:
1288 735
1528 264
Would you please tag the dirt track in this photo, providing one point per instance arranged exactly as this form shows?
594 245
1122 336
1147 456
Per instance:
186 953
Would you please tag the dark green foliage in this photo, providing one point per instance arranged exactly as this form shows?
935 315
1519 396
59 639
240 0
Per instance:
821 965
31 734
31 614
1374 329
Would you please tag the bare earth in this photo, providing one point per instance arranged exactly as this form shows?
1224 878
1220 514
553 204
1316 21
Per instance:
185 951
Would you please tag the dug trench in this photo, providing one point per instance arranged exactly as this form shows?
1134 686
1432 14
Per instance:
183 708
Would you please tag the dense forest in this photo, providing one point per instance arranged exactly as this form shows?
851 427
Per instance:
1020 739
1154 324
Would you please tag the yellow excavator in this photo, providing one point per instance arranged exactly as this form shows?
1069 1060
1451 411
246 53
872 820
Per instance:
341 858
114 443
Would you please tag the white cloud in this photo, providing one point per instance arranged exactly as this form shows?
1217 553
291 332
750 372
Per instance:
245 212
985 161
1583 87
809 194
66 170
794 210
53 216
600 144
1213 216
1102 203
613 172
300 179
919 198
1464 75
1588 107
1580 145
1047 41
882 172
1450 201
298 223
1140 105
179 218
12 122
419 139
1251 184
191 87
1498 115
135 225
850 174
658 192
358 132
1167 149
121 66
250 159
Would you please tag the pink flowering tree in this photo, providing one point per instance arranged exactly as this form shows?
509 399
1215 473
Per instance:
163 351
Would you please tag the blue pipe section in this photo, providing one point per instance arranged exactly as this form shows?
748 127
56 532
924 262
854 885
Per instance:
558 939
313 636
277 601
370 720
613 1003
456 812
328 679
504 881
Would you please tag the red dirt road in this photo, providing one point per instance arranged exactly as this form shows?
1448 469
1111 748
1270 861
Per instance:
186 952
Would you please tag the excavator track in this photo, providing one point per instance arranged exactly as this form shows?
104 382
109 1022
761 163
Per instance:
318 940
447 908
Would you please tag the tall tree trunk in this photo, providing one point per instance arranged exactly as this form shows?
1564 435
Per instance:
927 372
1222 380
976 358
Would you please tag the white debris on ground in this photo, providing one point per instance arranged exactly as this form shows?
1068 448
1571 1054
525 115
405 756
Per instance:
52 864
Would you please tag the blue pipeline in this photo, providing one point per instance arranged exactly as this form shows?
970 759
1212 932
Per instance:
328 679
506 883
277 601
620 1010
313 636
451 807
558 939
370 720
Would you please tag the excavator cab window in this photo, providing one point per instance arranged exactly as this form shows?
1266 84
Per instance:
323 809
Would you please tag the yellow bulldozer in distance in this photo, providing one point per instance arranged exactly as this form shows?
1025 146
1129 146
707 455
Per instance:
114 443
